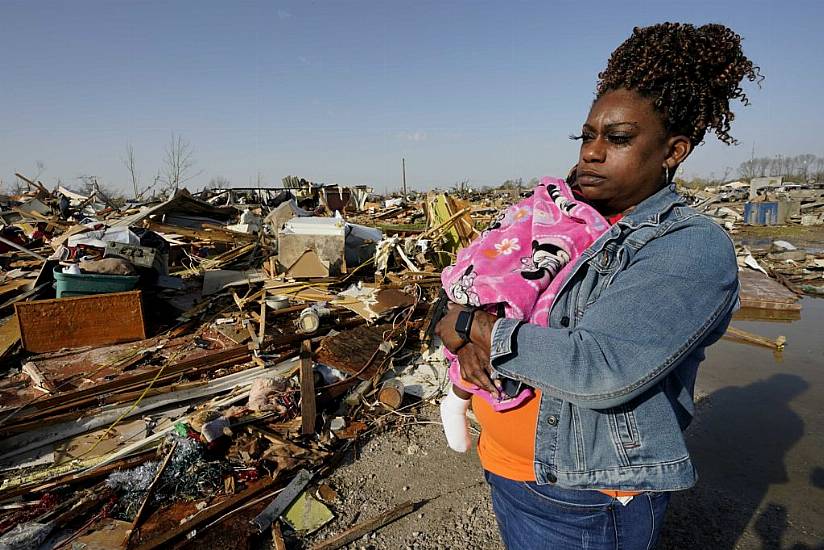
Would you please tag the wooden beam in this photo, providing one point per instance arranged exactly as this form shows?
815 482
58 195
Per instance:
262 319
211 234
365 527
750 338
307 389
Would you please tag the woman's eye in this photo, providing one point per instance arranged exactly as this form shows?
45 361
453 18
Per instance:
619 139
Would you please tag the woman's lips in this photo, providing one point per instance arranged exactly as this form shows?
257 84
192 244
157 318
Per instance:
589 179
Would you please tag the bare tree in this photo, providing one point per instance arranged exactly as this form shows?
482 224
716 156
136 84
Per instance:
747 169
805 164
178 167
727 173
131 166
218 182
41 167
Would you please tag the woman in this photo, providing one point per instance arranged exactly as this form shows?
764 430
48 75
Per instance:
591 461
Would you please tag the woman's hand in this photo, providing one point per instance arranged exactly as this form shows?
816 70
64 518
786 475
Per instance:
475 367
473 357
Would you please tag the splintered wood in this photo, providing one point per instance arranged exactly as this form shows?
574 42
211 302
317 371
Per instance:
357 351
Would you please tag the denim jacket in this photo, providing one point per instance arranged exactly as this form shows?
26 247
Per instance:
617 363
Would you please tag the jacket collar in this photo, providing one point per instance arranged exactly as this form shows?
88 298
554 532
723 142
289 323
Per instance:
653 207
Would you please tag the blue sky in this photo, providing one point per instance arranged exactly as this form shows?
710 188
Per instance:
340 91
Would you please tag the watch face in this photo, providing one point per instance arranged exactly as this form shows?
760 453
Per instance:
463 324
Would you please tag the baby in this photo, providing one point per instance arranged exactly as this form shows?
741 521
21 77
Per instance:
515 269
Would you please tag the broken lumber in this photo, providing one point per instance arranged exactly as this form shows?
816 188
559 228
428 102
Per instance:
307 389
365 527
40 382
277 537
750 338
22 249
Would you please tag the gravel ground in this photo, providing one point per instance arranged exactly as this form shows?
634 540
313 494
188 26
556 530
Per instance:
414 464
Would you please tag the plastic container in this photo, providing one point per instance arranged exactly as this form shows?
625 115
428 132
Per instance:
91 283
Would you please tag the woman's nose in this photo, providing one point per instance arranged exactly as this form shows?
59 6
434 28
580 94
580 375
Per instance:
593 151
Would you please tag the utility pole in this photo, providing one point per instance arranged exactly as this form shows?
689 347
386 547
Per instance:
403 168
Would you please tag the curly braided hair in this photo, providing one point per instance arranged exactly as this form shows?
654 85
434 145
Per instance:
690 73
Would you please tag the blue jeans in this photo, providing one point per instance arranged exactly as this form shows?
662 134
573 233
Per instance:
536 517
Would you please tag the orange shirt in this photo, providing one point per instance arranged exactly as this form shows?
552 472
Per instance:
507 444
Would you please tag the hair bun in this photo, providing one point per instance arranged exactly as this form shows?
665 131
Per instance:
690 73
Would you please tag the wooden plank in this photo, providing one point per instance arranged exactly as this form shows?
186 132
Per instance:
307 389
12 286
225 357
24 296
750 338
365 527
262 319
101 319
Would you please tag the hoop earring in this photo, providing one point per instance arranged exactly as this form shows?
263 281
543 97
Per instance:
666 174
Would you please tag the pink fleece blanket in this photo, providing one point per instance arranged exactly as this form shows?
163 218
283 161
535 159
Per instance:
520 262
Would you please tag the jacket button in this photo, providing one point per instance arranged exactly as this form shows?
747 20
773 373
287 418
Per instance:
564 321
552 420
551 478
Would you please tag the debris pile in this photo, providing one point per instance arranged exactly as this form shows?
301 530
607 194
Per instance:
173 364
758 215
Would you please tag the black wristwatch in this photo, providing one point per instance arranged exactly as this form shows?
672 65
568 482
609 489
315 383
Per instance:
463 326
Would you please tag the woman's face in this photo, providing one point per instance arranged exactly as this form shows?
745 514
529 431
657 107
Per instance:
623 151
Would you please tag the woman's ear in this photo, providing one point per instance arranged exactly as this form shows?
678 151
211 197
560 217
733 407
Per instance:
679 148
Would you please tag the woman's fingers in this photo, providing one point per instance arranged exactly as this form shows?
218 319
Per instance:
475 367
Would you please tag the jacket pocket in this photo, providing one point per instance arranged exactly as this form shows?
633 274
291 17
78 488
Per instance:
624 427
578 439
606 265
